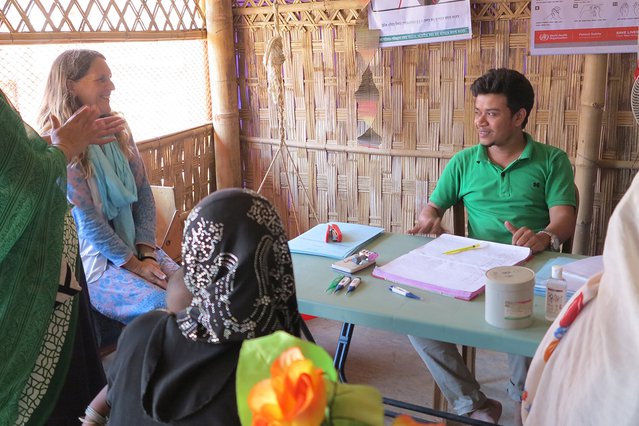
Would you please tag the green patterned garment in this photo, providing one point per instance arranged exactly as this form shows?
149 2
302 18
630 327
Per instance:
41 392
32 210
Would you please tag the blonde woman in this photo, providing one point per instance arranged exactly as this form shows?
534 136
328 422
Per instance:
112 201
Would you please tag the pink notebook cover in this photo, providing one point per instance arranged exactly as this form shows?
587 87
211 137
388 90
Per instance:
457 294
451 265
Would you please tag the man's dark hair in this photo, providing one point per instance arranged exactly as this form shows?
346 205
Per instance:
510 83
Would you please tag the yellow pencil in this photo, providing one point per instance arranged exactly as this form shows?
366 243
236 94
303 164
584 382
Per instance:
459 250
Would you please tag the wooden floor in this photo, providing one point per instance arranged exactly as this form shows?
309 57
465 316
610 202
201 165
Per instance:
389 362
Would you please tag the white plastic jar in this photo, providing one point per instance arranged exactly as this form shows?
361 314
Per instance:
510 296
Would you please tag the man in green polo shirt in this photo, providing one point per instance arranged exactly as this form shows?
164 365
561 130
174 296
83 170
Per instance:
516 191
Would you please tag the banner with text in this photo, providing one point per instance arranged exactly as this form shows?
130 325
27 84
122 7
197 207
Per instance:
404 22
583 26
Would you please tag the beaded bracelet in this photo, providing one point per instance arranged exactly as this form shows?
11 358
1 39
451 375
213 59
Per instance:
91 416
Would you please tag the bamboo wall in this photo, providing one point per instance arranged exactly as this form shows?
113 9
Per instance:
424 114
183 160
64 21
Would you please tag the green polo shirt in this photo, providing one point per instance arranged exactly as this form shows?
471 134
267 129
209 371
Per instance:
521 193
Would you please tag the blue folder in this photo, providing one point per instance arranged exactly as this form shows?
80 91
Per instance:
354 237
544 274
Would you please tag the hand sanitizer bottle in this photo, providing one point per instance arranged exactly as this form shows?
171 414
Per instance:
555 293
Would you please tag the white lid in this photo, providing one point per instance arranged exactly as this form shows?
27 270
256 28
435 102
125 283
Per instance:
509 277
557 272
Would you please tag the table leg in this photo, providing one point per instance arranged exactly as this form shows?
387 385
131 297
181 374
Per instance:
339 361
468 353
439 402
341 352
306 332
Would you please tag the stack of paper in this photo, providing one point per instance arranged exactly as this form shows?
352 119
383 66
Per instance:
576 273
354 237
461 275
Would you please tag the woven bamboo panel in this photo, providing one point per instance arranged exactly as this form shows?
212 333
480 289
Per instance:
184 160
425 111
48 21
296 13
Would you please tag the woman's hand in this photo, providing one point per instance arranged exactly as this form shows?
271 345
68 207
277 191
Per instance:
98 410
148 269
82 129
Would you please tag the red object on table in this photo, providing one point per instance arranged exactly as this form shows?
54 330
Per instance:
333 233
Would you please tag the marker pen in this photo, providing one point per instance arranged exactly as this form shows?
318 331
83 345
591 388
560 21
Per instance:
402 292
343 283
353 285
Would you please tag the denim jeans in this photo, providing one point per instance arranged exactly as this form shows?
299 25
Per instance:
458 385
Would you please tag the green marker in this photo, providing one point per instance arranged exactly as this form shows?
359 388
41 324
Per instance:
334 283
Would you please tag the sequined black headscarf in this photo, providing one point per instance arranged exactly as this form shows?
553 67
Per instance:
238 268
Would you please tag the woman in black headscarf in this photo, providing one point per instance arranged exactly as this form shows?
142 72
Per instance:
180 368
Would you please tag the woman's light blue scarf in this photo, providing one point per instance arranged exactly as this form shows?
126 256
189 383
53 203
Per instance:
117 188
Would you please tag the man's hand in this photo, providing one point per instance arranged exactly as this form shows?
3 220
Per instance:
526 237
82 129
429 222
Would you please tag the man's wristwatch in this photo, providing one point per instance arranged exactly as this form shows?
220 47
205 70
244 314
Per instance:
555 244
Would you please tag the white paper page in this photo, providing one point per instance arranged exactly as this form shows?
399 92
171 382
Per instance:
465 271
487 256
585 268
577 273
418 267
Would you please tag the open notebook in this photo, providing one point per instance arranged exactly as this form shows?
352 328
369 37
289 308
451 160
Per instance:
461 275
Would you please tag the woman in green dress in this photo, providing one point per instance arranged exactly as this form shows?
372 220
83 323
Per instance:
36 325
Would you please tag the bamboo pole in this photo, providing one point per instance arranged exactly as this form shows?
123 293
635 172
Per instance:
313 145
222 74
351 149
618 164
589 139
97 36
267 8
203 130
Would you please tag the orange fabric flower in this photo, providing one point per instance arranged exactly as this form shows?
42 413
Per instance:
295 395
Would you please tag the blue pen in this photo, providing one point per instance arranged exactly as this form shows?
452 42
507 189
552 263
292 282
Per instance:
402 292
353 285
343 283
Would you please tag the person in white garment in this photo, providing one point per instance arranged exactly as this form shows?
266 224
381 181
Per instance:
585 369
